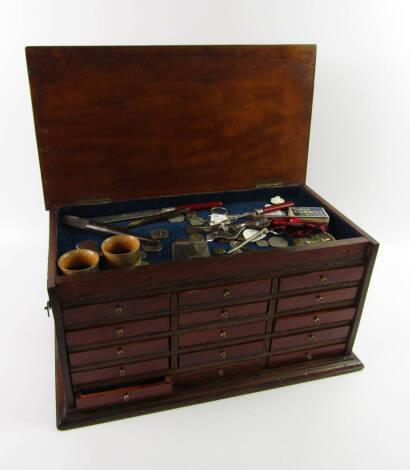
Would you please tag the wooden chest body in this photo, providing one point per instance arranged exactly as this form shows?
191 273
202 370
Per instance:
170 334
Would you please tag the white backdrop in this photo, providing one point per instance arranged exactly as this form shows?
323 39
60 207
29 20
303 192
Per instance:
358 160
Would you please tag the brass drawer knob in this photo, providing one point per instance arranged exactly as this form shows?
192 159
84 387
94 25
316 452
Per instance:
227 293
312 338
220 372
118 309
121 371
126 397
308 356
319 299
223 334
316 320
224 315
323 279
120 352
222 354
120 331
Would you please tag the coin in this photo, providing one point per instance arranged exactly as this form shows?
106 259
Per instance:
191 214
219 251
262 243
278 242
177 218
313 238
159 233
191 229
143 255
152 248
197 221
196 237
181 240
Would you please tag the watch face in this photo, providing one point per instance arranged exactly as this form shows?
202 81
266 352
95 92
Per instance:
319 237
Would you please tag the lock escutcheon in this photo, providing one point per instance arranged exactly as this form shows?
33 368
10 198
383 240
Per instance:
319 299
224 314
323 279
120 331
222 354
220 372
316 320
118 309
312 338
121 371
308 356
120 352
126 397
227 293
223 334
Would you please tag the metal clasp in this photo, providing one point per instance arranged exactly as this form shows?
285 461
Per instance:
48 307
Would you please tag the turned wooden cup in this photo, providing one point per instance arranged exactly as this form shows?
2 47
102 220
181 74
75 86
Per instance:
78 261
121 250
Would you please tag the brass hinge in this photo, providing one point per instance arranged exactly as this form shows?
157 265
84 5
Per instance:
268 184
93 200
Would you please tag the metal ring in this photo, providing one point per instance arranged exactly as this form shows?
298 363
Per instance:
215 209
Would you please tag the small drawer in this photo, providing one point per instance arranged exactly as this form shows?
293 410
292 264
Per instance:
224 313
311 338
321 278
306 355
115 310
316 298
118 372
117 331
207 375
221 354
220 334
115 353
147 391
313 319
232 291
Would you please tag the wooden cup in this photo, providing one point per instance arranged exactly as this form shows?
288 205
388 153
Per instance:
78 261
121 251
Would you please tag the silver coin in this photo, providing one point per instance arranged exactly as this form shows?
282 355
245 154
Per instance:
177 218
197 221
278 242
152 248
262 243
196 237
191 214
143 255
190 229
159 233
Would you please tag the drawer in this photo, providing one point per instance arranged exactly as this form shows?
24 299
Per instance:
148 391
220 334
321 278
232 291
225 313
117 372
221 354
313 337
115 310
117 331
207 375
313 319
316 298
114 353
306 355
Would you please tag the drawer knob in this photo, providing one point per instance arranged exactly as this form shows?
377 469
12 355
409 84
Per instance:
224 315
122 371
118 309
323 279
319 299
223 334
227 293
316 320
120 352
120 331
220 372
222 354
312 338
126 397
308 356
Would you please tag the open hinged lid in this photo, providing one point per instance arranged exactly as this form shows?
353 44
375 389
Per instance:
127 122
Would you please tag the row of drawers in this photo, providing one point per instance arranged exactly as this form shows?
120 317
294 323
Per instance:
213 356
112 311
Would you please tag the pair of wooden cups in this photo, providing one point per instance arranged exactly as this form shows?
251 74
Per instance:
119 251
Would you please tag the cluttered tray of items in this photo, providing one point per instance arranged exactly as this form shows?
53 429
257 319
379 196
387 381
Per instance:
188 260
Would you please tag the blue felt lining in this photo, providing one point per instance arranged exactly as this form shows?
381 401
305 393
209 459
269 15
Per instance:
234 201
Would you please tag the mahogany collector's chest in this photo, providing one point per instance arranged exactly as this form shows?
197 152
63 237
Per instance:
123 129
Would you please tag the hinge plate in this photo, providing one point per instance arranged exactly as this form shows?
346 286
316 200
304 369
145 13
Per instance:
268 184
93 200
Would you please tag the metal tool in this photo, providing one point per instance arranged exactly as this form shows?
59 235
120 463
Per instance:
253 238
152 212
154 218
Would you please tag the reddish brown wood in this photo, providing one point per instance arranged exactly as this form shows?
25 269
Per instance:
221 354
125 395
306 355
311 338
220 334
321 278
116 331
316 298
118 352
313 319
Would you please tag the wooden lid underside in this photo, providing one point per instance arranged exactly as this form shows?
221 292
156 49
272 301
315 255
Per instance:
128 122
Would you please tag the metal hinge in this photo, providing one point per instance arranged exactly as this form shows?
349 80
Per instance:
48 307
93 200
268 184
